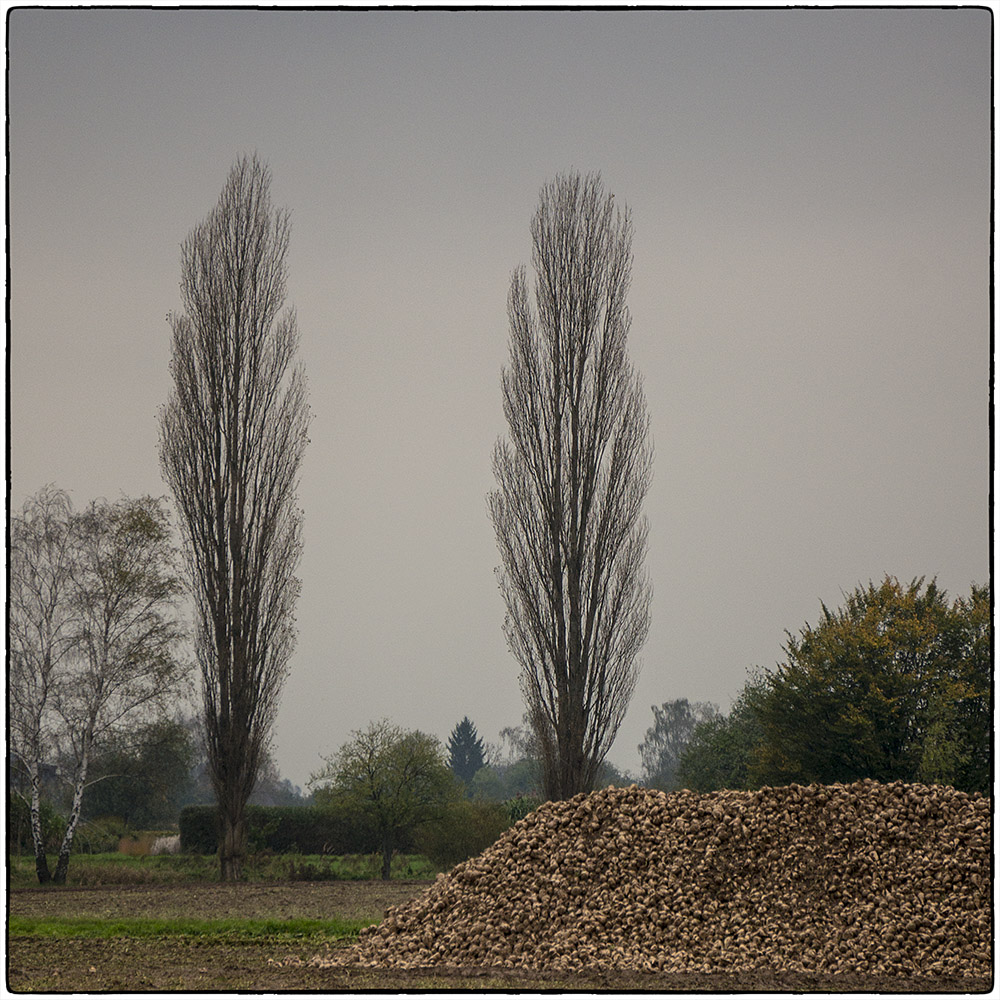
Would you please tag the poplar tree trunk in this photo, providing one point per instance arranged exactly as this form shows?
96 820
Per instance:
232 842
386 858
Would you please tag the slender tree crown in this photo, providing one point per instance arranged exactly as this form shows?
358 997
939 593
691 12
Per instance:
571 479
466 752
232 436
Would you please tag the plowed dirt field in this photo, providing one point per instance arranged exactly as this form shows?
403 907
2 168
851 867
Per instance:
166 964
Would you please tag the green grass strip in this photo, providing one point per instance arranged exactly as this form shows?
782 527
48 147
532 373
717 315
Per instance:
149 927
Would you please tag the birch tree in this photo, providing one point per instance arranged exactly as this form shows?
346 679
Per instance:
232 436
126 669
94 637
571 479
40 638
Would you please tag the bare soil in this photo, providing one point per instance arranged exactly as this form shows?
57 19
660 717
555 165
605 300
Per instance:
187 965
361 900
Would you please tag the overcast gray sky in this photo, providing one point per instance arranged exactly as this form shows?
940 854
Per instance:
811 198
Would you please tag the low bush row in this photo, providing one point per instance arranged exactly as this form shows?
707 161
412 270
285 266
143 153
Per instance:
97 836
463 830
283 829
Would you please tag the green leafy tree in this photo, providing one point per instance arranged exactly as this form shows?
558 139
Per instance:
892 686
956 748
674 723
143 777
397 779
943 757
500 782
720 751
466 752
513 769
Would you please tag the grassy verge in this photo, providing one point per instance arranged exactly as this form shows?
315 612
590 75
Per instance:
119 869
230 930
169 869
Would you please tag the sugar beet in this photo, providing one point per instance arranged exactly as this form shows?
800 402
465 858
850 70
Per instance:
867 878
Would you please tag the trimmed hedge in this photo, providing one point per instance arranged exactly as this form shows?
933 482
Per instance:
283 830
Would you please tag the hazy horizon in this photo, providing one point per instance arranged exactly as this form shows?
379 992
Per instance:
811 196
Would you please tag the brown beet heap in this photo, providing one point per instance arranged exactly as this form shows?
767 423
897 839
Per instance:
864 878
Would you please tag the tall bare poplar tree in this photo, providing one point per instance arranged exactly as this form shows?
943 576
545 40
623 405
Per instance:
571 481
232 436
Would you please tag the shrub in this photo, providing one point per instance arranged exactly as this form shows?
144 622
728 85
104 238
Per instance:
519 807
465 829
283 830
142 843
102 836
199 830
19 826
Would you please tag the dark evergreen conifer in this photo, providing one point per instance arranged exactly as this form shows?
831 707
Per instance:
466 753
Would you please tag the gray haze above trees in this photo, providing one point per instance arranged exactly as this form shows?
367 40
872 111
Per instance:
811 192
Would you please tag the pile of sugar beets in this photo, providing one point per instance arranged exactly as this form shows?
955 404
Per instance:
866 878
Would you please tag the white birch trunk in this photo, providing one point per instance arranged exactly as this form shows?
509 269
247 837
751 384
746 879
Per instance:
37 840
79 781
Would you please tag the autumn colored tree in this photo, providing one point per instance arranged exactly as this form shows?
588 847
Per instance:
958 733
892 686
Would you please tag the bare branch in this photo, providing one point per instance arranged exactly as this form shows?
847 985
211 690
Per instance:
571 480
232 436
